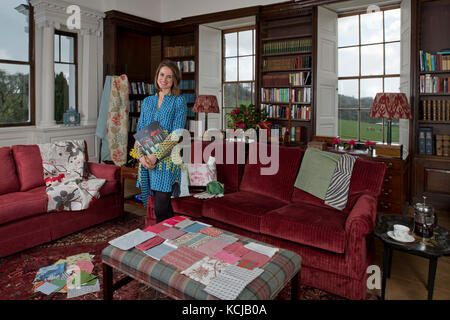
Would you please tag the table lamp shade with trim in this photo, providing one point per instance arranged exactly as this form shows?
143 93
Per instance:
390 106
206 104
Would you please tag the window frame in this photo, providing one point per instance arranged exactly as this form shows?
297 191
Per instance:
251 82
75 63
31 64
360 77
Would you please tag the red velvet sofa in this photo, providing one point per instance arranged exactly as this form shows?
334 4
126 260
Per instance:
24 221
336 246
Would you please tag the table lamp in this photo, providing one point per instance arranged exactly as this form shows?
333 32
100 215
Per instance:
390 106
207 104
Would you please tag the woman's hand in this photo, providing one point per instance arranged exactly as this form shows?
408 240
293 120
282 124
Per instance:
148 162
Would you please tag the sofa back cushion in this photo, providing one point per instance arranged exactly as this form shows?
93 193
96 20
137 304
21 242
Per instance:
279 185
10 181
29 166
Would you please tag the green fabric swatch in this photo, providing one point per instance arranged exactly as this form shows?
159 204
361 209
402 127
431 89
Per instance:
86 279
60 283
316 171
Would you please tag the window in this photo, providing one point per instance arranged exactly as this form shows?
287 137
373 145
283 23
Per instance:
238 67
16 63
369 62
65 73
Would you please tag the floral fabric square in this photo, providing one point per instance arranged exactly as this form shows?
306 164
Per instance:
205 270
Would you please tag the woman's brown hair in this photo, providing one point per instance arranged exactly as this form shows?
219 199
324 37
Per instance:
175 90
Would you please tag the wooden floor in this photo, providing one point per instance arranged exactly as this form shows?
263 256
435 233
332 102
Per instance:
409 274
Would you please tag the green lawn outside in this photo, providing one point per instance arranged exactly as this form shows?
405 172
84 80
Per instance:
369 131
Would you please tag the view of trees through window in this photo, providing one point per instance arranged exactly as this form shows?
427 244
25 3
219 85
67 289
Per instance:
368 63
238 70
15 66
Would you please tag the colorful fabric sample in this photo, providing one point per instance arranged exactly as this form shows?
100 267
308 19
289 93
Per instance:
226 257
205 270
171 233
131 239
196 227
183 239
211 231
212 246
184 223
247 264
153 242
197 242
258 258
50 272
227 238
237 248
183 257
266 250
156 228
160 250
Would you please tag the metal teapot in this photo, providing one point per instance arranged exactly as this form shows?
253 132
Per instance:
424 219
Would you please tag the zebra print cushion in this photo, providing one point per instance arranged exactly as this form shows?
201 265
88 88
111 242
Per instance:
337 192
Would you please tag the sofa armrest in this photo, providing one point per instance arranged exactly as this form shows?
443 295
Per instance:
109 172
361 219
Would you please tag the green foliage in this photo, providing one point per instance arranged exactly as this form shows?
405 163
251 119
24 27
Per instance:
247 117
14 90
61 96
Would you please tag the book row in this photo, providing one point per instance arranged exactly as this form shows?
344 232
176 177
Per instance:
427 146
287 63
433 84
189 97
301 95
294 79
186 66
434 62
135 105
275 94
133 122
187 84
443 145
436 110
294 134
286 46
179 51
141 88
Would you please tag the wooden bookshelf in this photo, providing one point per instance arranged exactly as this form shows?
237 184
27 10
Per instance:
431 172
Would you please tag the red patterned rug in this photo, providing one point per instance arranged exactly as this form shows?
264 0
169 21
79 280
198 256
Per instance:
17 271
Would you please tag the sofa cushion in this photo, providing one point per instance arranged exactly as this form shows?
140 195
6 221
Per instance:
19 205
281 184
188 206
242 209
29 166
307 224
10 181
110 187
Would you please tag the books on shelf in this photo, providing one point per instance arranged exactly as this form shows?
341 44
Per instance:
187 84
275 80
301 112
435 62
141 88
425 141
301 95
179 51
135 105
287 46
443 145
133 122
298 134
275 94
186 66
300 78
189 97
436 110
433 84
280 64
276 111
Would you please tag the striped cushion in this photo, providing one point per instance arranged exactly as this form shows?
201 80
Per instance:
337 192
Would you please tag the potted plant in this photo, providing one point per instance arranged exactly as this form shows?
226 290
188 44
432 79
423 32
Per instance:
248 117
370 145
351 144
336 143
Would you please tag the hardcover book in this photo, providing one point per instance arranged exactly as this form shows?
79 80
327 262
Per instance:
150 137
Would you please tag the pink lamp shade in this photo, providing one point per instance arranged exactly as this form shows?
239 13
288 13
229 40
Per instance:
390 106
206 104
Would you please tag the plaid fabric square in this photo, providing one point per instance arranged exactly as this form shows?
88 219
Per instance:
212 246
183 257
226 257
156 228
183 239
258 258
211 231
227 238
153 242
185 223
237 248
248 264
171 233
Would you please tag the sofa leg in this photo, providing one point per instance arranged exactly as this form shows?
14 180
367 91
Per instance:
295 286
107 282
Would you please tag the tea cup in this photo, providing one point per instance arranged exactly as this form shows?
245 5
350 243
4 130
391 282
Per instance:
400 231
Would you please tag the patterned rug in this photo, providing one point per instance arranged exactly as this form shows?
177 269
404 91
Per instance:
17 271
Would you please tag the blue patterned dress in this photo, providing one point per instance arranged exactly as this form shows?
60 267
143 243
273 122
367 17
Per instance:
171 116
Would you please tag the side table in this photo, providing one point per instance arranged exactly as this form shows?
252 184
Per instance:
437 246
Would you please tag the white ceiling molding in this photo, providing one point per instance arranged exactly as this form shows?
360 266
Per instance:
53 13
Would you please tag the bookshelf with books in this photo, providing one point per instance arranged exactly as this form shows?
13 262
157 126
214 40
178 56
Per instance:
431 102
286 74
180 44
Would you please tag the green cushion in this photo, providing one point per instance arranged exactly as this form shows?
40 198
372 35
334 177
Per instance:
316 171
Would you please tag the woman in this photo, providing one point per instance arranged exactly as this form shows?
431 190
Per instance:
158 175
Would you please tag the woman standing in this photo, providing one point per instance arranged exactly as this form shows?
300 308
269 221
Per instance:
158 175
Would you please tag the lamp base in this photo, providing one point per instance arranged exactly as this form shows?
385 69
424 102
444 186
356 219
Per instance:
393 150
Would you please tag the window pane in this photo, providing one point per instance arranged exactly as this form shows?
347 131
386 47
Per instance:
254 40
229 96
392 58
371 128
348 93
231 69
372 60
348 124
369 88
348 64
245 43
67 49
245 93
13 30
392 84
348 31
57 57
246 69
64 89
392 25
14 93
372 27
231 44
